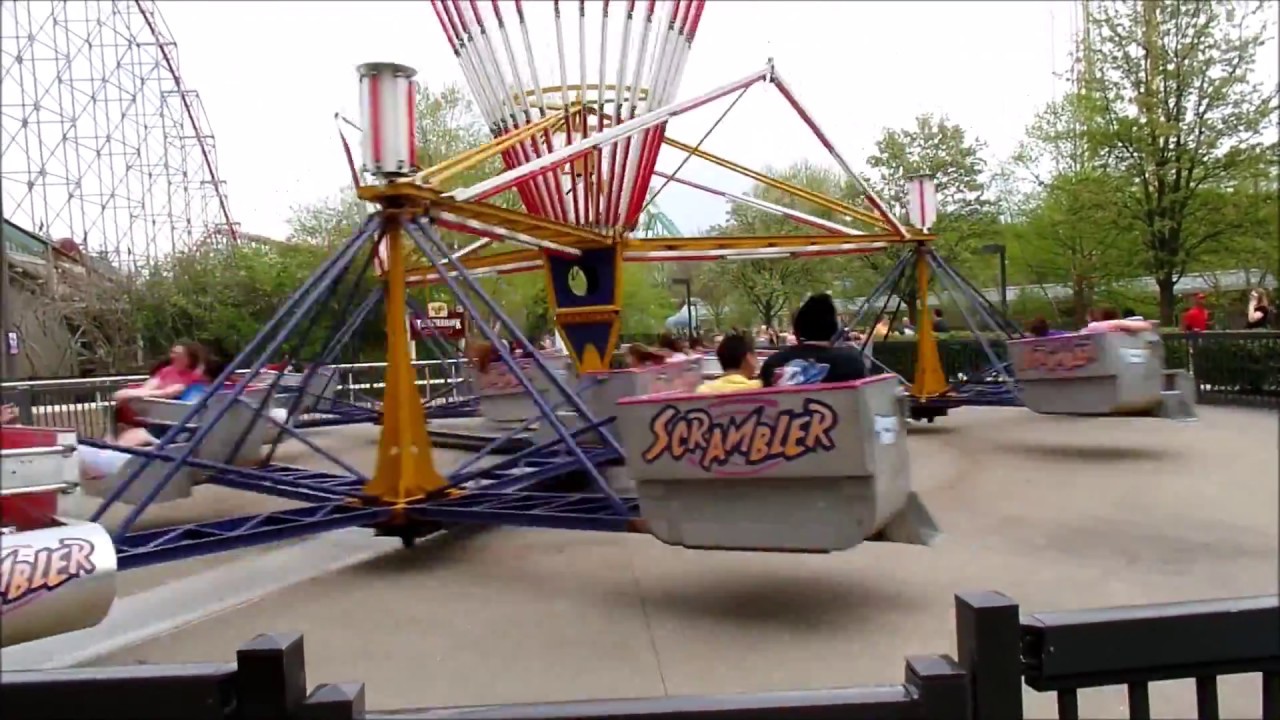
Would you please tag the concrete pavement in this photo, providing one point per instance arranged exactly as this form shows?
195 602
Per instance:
1060 513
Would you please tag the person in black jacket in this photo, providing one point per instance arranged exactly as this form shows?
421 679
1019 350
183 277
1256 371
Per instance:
814 358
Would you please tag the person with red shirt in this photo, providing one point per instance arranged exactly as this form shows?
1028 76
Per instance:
1196 318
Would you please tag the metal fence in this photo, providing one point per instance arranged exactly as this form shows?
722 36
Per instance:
86 403
1001 653
1231 368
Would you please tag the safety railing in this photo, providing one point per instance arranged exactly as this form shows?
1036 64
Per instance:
1231 368
86 403
1002 656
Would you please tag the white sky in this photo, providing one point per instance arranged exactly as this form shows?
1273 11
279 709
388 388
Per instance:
271 75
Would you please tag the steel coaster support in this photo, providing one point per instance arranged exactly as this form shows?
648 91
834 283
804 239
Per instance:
406 469
930 380
273 335
433 249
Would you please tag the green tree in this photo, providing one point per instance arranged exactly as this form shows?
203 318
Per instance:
1073 232
938 147
1175 111
770 287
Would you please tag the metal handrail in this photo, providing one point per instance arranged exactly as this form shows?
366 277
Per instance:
90 382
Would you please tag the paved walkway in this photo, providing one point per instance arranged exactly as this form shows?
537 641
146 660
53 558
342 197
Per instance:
1060 513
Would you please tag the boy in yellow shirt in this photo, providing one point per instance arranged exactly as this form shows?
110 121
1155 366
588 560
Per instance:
738 359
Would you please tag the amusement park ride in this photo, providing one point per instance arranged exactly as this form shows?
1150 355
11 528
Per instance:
801 469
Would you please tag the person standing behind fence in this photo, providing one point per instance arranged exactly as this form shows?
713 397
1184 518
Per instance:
1196 318
1257 315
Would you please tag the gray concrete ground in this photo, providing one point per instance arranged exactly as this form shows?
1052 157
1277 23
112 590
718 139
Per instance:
1059 513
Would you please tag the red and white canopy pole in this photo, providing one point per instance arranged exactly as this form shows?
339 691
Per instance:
866 190
626 129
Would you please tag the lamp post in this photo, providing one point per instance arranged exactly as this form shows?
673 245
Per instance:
688 299
999 249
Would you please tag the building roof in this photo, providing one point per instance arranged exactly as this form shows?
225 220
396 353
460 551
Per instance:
18 239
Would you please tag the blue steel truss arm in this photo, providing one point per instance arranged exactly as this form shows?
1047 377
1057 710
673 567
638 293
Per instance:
997 318
875 321
309 326
442 347
267 342
886 284
946 275
352 324
433 248
511 434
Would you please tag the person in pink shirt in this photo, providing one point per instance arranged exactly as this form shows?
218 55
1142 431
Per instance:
184 366
1108 319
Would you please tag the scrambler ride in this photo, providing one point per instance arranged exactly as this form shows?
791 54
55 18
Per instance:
803 469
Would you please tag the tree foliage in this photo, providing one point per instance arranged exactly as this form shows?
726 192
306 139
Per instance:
1175 111
1160 160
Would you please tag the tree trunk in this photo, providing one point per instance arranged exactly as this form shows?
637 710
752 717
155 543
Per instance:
1080 300
1168 299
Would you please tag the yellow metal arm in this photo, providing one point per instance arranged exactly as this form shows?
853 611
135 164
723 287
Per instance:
816 198
445 169
420 276
755 242
513 220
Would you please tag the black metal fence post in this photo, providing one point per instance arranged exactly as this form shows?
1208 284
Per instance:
338 701
942 685
989 642
271 677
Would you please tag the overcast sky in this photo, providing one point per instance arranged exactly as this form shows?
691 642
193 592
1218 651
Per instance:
271 75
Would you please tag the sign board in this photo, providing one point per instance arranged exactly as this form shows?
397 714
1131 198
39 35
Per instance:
13 343
922 201
448 321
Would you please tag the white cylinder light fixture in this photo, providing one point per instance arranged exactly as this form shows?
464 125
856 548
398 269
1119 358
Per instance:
388 100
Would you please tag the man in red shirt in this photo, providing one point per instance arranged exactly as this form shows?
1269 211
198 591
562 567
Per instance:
1196 318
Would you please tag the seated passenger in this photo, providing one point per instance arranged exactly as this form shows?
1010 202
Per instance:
8 414
184 366
738 359
814 359
1107 319
1040 328
673 347
641 356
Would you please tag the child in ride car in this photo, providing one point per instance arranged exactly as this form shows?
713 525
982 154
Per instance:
738 359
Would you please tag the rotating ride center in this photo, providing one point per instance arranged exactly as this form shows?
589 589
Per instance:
816 468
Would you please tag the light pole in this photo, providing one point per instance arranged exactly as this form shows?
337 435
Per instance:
688 299
999 249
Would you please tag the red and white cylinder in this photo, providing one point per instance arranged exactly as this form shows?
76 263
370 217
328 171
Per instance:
388 98
922 201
